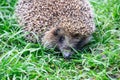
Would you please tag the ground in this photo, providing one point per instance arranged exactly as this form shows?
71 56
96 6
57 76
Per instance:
99 60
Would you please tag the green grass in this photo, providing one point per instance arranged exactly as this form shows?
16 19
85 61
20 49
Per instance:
100 60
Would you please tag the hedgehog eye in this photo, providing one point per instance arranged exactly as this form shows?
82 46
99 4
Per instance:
61 39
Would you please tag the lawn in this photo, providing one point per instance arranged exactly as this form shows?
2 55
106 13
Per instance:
99 60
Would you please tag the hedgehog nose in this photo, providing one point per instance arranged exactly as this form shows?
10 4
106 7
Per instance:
67 55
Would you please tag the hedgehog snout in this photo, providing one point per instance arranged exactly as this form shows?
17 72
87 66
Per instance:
66 51
65 46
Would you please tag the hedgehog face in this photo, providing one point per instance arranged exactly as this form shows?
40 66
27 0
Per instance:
65 42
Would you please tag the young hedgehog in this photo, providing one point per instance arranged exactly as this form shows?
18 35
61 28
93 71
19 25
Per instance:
66 24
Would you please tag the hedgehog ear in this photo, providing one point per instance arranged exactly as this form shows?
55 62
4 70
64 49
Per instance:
57 31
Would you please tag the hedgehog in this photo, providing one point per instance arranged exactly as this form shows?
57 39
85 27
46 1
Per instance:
64 24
